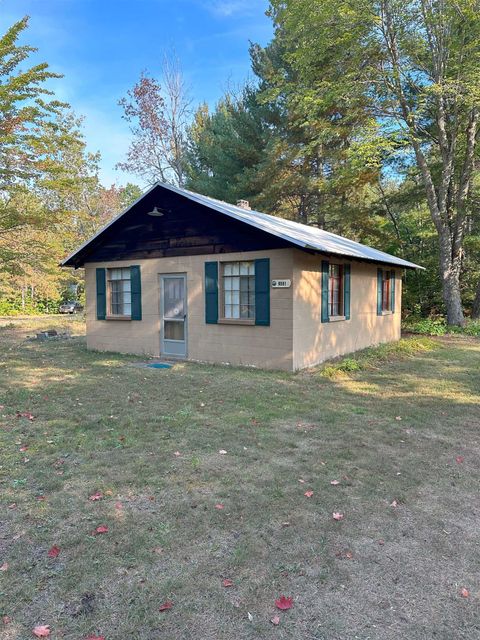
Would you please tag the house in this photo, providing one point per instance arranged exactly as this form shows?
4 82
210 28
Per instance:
181 275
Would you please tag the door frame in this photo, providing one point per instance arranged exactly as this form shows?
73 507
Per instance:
161 276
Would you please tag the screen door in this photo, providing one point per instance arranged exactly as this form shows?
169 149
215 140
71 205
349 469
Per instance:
173 312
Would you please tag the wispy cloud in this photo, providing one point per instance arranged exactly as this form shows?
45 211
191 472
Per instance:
228 8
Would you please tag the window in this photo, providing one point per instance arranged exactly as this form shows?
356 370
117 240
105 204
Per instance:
386 297
335 290
238 290
119 292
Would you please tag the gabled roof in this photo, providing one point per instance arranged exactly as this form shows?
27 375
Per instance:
300 235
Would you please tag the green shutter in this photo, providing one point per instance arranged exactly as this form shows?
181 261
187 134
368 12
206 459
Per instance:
325 280
392 291
136 289
211 292
101 294
346 291
262 291
379 291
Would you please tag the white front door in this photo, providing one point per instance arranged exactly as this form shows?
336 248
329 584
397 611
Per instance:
173 314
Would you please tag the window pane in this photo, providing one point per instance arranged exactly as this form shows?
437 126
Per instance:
238 289
174 330
173 298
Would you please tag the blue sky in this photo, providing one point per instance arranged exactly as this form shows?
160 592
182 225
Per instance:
101 46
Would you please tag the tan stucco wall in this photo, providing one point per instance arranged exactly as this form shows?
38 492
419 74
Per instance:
314 342
296 337
269 347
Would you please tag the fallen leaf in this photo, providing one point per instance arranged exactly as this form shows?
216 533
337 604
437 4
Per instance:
41 498
249 615
308 493
222 452
459 459
301 480
94 637
398 418
334 482
337 516
6 619
168 604
54 551
177 453
348 555
275 620
283 603
118 505
4 567
227 583
25 414
394 504
109 492
464 593
42 631
24 448
12 506
381 542
100 529
219 506
98 495
285 524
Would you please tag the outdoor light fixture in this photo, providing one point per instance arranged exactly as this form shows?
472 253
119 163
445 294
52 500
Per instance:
156 213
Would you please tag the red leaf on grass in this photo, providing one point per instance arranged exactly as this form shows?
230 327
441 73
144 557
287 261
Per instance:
177 454
6 619
118 505
219 506
42 631
464 593
308 493
54 551
336 515
101 529
25 414
4 567
334 482
227 583
23 448
98 495
458 459
168 604
94 637
275 620
284 603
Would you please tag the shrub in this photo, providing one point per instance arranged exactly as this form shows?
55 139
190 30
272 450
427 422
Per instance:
437 326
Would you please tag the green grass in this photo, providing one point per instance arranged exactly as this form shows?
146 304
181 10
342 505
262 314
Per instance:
391 431
376 356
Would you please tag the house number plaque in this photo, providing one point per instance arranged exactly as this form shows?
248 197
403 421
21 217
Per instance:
281 284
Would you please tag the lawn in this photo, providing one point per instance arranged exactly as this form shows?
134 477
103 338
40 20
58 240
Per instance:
163 449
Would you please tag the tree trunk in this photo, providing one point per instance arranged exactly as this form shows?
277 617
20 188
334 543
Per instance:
476 304
450 274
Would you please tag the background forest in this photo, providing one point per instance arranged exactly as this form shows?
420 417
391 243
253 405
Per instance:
360 118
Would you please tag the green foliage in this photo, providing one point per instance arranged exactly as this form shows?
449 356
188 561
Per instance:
373 357
437 326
